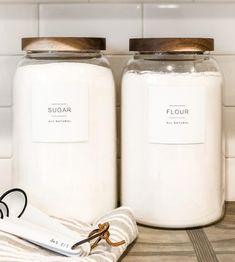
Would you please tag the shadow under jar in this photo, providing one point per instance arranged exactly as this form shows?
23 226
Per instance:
64 127
171 133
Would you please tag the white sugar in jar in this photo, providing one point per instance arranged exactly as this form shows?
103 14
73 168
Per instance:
64 127
171 133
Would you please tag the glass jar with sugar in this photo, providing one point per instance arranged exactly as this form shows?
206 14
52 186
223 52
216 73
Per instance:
171 133
64 127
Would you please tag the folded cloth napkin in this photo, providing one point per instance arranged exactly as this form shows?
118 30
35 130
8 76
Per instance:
122 227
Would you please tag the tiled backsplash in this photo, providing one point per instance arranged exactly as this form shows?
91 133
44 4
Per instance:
117 21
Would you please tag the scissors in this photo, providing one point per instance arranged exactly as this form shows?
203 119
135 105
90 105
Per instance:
94 237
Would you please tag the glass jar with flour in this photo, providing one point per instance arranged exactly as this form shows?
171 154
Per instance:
64 127
171 133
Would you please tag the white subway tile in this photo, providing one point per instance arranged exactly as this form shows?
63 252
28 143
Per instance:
117 64
5 175
192 20
7 70
16 21
230 179
116 22
227 64
5 132
229 131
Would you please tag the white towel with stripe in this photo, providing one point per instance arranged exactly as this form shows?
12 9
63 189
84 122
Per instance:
122 227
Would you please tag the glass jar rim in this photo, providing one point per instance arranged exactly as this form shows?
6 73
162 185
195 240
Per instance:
62 55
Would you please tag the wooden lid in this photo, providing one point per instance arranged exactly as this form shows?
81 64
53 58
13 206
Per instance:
171 44
37 44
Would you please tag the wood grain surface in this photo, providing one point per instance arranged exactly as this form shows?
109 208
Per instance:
38 44
212 243
171 44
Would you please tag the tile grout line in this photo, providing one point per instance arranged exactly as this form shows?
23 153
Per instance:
6 106
201 245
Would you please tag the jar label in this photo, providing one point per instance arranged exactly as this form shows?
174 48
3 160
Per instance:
60 114
176 114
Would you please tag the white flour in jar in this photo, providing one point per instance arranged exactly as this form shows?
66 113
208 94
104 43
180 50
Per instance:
64 138
171 147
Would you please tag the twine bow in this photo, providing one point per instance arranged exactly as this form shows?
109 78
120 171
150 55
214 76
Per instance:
102 232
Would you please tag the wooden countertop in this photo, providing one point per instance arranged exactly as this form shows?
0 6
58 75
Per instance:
207 244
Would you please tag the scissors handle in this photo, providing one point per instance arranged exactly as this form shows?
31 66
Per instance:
6 206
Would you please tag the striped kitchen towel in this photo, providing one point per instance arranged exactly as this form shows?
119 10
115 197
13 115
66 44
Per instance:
122 226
